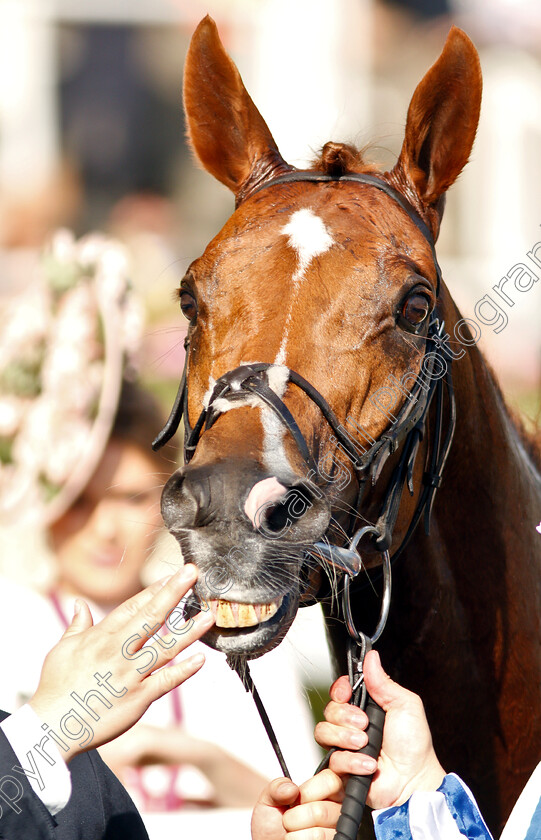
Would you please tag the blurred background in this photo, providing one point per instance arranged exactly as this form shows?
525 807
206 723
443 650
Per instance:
92 138
92 135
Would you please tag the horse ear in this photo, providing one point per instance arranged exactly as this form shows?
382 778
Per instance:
441 124
226 131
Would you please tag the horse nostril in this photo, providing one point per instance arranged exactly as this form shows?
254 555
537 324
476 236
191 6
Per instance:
273 519
179 504
301 515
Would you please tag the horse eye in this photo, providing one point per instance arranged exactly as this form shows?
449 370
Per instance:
415 310
188 305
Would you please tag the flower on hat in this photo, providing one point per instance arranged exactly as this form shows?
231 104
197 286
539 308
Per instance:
66 342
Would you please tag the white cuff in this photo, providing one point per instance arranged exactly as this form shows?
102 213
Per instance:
40 759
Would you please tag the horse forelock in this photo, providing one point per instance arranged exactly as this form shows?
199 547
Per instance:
337 159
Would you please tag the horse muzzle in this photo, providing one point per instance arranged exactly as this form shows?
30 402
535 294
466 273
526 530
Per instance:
249 534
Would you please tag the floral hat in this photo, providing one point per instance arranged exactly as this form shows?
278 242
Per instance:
66 342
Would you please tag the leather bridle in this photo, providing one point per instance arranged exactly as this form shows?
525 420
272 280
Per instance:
407 430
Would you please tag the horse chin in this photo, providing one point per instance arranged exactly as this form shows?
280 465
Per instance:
252 642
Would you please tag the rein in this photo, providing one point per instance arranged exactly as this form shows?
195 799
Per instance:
406 432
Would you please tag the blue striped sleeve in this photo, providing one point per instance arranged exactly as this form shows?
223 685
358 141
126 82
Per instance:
450 813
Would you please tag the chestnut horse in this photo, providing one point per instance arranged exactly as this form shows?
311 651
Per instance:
333 278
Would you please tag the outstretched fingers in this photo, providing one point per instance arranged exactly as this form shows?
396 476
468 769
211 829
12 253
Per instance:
117 619
151 606
182 633
147 644
160 650
166 679
141 618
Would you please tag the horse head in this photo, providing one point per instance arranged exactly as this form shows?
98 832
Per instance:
311 313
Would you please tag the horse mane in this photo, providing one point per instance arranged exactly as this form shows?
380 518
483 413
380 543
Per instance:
530 439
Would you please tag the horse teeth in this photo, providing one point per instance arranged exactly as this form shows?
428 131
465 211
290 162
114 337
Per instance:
233 614
224 615
247 616
267 610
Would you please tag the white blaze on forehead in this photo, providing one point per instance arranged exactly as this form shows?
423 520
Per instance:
309 237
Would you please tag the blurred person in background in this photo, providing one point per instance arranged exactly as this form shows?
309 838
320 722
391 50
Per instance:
75 432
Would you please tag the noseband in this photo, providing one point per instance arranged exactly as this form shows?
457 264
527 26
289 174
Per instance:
407 430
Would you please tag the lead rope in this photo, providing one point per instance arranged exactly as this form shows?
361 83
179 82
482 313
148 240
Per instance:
240 666
357 787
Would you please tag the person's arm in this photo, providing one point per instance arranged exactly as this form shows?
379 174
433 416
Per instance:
95 683
235 784
449 813
44 768
22 812
410 790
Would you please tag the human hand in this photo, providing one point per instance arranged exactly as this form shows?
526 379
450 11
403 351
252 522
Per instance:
285 811
146 744
234 784
407 761
98 681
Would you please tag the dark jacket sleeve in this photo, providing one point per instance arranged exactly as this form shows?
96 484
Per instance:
23 813
99 807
